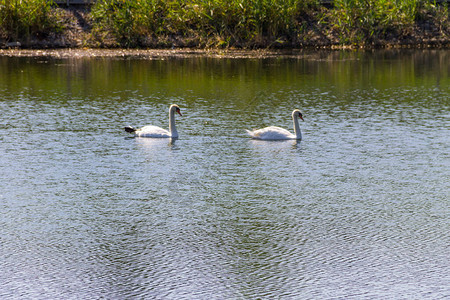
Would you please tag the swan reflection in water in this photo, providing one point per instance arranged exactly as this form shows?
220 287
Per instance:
153 144
276 145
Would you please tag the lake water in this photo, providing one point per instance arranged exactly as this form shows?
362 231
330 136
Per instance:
359 209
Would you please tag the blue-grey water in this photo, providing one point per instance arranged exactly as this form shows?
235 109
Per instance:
359 209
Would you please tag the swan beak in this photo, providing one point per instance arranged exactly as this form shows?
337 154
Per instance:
179 112
301 118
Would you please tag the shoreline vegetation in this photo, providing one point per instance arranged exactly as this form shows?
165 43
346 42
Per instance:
219 24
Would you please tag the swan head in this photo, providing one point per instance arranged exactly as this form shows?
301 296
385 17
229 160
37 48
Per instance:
297 113
175 108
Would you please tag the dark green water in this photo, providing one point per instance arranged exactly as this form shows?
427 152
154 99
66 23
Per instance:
359 209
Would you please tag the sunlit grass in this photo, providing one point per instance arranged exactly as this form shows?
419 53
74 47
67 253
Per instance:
25 18
223 23
260 23
361 21
233 23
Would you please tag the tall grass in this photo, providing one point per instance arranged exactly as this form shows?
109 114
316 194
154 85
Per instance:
256 23
362 21
25 18
221 22
226 23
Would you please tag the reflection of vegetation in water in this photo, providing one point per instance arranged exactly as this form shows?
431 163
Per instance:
223 78
241 23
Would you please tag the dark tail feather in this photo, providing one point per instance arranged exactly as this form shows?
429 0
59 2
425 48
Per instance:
130 129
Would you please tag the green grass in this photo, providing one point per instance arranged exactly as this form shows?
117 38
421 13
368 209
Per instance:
261 23
222 23
233 23
26 18
362 21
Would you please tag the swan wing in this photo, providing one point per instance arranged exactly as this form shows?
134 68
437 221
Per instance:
153 132
271 133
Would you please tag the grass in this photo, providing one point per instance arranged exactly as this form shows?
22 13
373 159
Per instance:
26 18
232 23
363 21
221 23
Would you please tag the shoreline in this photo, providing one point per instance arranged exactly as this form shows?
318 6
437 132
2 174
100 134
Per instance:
149 54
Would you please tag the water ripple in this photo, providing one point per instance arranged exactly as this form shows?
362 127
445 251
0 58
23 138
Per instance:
357 210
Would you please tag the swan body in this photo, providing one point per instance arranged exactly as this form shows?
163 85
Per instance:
277 133
151 131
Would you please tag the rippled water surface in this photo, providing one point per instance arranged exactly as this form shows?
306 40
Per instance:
358 209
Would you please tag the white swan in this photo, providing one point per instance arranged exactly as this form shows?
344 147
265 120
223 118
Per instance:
151 131
277 133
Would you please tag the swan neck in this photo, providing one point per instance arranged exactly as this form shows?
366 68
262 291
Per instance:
297 131
172 127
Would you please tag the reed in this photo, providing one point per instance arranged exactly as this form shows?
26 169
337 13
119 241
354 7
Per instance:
257 23
232 23
222 23
363 21
25 18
